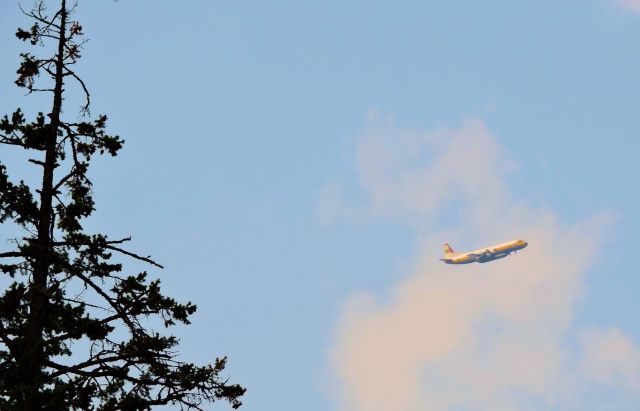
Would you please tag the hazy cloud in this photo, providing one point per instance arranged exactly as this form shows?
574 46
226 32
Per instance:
611 357
417 172
630 4
331 204
476 337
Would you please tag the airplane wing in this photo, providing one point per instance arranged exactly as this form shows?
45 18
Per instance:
485 253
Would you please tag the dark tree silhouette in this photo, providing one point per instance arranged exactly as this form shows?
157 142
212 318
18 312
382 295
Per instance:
66 292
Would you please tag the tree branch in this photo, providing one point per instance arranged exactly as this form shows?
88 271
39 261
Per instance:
123 316
41 18
12 254
109 245
65 178
105 360
79 243
85 108
146 259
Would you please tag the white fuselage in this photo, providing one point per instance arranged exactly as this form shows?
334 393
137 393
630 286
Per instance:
484 255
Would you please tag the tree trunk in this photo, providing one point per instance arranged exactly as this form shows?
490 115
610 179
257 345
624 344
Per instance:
34 356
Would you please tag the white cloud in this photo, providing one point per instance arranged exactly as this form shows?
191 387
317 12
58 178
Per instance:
482 336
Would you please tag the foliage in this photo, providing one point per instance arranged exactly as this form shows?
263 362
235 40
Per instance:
66 291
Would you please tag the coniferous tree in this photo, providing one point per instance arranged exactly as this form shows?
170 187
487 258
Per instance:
43 319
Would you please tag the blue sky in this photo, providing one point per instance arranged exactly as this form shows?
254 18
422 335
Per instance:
239 117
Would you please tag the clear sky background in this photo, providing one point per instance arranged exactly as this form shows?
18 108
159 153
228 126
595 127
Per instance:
296 165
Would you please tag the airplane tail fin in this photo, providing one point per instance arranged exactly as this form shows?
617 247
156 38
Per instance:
448 251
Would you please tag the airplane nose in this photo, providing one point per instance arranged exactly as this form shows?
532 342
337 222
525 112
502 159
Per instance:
524 244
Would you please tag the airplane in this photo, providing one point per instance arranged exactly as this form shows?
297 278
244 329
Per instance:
483 255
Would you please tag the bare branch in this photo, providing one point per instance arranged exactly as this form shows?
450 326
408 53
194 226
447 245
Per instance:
12 254
85 108
146 259
42 19
38 162
109 245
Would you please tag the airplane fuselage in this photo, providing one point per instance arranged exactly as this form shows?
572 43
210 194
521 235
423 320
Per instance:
483 255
